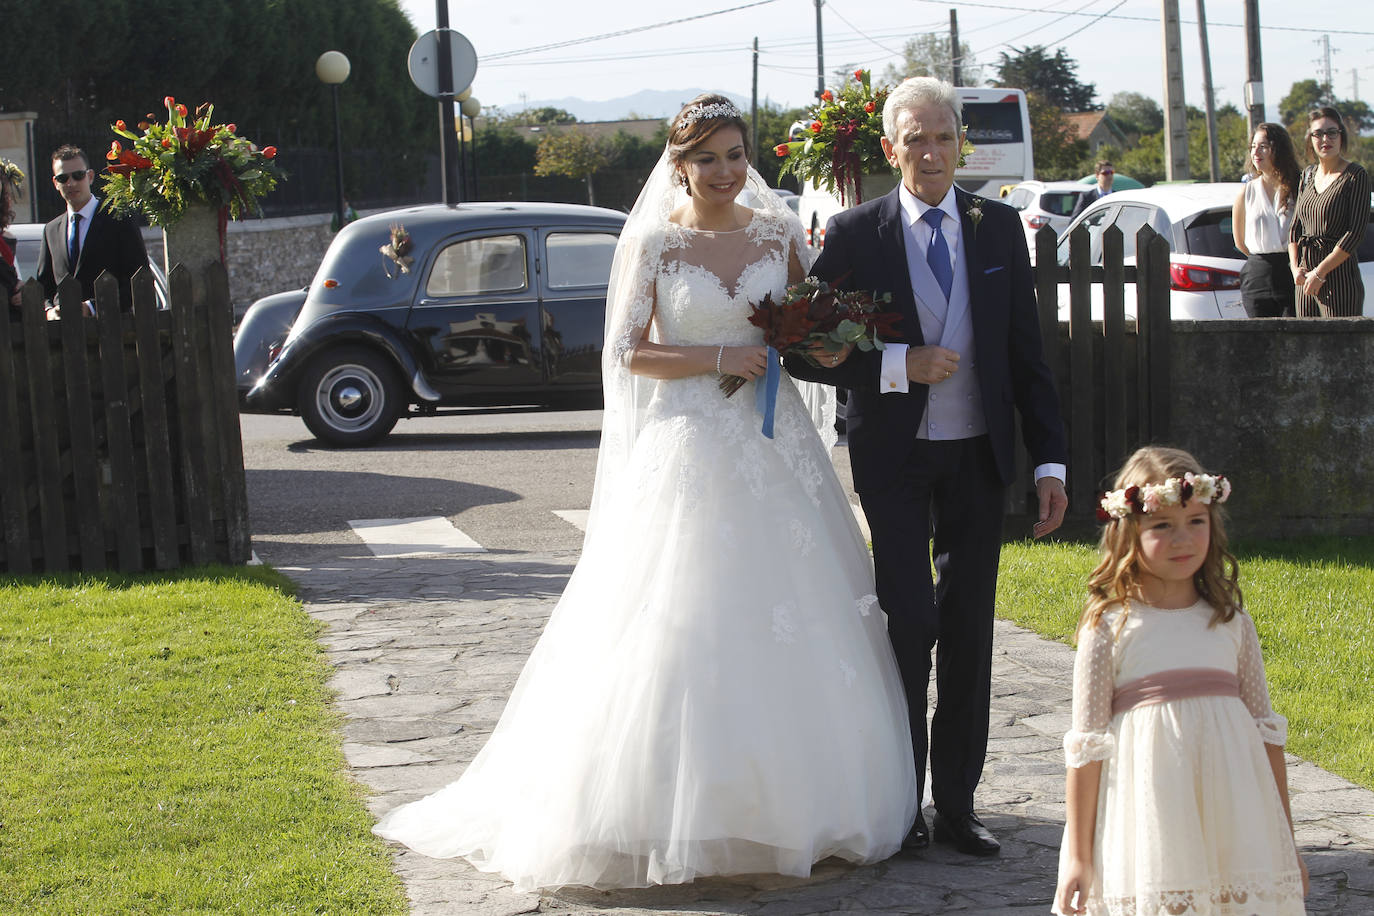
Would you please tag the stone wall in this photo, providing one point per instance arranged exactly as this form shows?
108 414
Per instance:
1285 408
266 256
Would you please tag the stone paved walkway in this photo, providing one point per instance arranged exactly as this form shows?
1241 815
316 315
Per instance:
427 650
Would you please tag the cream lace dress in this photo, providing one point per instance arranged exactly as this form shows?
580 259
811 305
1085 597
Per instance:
715 692
1189 821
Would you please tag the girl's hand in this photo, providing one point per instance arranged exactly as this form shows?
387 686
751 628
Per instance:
1299 274
746 362
1311 282
1071 897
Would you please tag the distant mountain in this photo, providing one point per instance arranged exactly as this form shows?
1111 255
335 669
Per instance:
647 103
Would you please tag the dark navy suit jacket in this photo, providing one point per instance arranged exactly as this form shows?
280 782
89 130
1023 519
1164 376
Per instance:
111 244
865 249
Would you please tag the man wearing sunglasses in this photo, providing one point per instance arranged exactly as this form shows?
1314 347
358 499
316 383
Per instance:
86 241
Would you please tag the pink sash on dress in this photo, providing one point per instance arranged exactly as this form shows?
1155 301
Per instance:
1178 684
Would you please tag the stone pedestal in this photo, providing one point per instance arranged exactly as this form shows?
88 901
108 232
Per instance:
193 241
876 185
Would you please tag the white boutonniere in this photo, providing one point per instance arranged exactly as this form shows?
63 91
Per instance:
975 212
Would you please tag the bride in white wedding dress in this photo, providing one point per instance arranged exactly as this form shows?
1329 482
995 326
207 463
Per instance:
715 692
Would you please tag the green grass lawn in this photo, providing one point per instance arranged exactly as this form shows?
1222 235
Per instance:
167 746
1313 604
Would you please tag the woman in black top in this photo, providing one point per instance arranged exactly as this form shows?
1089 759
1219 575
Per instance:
1331 215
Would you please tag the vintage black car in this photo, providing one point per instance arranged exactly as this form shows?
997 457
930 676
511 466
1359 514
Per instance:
492 304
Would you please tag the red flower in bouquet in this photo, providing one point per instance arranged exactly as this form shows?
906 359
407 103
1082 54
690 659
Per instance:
814 315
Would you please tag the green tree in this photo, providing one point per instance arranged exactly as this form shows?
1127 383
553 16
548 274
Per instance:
1053 78
927 54
1058 151
574 154
1305 95
1135 113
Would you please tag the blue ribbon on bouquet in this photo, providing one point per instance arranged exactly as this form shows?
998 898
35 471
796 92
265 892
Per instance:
766 393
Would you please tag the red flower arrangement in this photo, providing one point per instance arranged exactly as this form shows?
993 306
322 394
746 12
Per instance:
814 315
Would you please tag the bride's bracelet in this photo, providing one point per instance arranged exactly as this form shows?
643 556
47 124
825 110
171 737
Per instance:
720 353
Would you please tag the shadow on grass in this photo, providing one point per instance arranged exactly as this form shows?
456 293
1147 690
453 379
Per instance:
262 575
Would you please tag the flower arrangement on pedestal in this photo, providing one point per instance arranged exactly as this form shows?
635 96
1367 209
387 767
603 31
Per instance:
845 141
172 166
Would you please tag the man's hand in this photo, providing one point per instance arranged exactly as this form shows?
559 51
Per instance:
825 358
930 365
1054 502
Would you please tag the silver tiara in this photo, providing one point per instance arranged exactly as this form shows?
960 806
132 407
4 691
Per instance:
713 110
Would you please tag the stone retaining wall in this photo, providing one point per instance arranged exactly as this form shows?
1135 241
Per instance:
1285 407
266 256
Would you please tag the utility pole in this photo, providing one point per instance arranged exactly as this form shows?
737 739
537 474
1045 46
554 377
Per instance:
956 74
1254 69
820 54
1329 84
1214 160
754 102
448 147
1175 115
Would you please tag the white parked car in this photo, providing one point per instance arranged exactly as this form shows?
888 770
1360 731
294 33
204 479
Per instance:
1045 203
1204 264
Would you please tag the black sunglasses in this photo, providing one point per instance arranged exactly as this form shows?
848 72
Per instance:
64 177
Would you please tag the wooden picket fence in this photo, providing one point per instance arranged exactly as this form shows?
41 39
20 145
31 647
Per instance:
119 435
1113 374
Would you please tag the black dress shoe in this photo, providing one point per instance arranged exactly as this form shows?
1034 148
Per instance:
967 834
919 835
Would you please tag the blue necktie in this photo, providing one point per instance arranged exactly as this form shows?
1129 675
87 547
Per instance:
74 241
937 252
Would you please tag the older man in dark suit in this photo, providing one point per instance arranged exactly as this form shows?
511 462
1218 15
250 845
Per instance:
931 429
86 241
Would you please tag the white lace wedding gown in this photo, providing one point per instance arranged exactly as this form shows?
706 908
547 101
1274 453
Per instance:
715 692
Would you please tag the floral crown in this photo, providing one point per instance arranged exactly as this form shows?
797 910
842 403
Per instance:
13 172
1176 491
713 110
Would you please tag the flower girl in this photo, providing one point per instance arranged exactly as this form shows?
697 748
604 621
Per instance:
1177 792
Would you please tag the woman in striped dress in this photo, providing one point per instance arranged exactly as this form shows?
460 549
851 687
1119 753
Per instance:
1329 223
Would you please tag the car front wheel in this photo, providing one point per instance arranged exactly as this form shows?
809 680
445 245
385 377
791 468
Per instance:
350 397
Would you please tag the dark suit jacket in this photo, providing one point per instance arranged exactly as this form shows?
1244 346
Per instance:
865 248
1087 200
111 244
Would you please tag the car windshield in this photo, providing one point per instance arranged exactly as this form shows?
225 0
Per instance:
1059 203
26 257
1210 235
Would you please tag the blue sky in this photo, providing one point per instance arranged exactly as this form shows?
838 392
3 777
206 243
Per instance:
1117 43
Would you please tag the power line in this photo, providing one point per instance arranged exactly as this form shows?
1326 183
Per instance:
1062 17
623 32
1210 23
1089 23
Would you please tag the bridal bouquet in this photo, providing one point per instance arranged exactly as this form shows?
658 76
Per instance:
814 316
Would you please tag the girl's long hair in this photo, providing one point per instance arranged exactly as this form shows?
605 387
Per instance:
1117 576
1284 157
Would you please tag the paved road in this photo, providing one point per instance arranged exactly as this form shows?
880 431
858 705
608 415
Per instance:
427 649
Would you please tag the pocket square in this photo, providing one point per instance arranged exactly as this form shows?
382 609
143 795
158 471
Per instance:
993 270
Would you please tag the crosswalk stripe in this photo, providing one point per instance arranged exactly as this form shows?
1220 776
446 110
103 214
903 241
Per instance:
578 517
413 537
575 517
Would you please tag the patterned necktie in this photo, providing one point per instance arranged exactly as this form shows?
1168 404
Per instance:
937 252
74 241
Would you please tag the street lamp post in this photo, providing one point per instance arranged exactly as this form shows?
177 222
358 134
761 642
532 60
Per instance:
333 68
472 108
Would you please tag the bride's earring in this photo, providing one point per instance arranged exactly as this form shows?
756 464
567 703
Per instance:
682 177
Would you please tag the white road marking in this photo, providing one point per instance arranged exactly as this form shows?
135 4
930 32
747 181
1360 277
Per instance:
575 517
862 520
413 537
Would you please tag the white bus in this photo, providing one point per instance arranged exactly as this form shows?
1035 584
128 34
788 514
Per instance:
998 125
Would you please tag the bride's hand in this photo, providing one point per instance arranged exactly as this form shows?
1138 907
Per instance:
746 362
